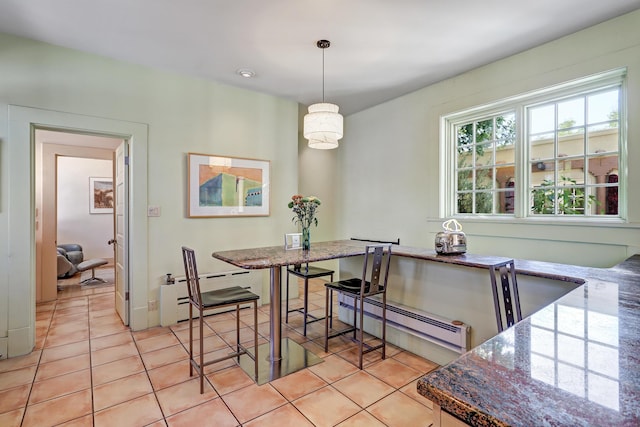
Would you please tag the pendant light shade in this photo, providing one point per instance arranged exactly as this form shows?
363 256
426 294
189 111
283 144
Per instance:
323 125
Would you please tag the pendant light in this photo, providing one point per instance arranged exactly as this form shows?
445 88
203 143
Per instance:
323 124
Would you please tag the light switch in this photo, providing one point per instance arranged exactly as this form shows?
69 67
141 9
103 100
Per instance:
153 211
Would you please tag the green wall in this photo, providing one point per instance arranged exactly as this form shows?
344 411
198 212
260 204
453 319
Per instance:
390 161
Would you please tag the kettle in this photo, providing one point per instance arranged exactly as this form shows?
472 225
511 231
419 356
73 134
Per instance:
452 240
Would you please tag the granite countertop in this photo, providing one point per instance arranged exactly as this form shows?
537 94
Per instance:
278 256
576 362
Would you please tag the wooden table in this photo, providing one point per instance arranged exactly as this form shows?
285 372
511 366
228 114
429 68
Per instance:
285 355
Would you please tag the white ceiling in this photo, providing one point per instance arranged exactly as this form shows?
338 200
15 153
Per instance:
380 49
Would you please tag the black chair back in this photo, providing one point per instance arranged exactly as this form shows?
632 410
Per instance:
380 258
191 274
507 296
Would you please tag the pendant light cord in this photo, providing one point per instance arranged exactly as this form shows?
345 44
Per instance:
323 75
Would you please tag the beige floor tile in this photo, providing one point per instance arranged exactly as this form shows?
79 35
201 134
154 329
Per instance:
108 329
14 398
298 384
394 373
220 326
156 343
45 306
363 388
86 421
117 369
252 401
14 363
164 356
399 410
212 410
219 365
246 316
416 362
352 355
122 390
284 416
56 411
362 419
50 354
246 337
65 327
137 412
168 375
62 366
183 333
12 418
183 396
411 390
56 340
60 386
151 332
111 340
211 343
315 348
125 367
111 354
230 379
326 407
333 368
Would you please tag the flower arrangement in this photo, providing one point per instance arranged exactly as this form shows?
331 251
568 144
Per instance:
304 209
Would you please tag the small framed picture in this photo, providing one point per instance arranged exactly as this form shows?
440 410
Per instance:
100 195
293 241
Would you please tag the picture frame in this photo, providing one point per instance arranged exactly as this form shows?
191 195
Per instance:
293 241
223 186
100 195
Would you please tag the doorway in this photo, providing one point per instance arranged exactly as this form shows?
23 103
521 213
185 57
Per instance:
67 166
22 214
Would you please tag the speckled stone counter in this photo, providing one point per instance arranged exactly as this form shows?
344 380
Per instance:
576 362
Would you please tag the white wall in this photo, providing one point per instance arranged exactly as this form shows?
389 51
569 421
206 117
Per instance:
389 160
75 223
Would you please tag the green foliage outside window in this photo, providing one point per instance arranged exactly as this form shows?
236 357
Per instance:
570 199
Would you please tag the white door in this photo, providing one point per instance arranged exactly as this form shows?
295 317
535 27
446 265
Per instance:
121 230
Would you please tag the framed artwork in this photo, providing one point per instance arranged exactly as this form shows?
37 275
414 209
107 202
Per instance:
222 186
293 241
100 195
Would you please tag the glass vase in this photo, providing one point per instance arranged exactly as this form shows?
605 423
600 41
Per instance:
306 238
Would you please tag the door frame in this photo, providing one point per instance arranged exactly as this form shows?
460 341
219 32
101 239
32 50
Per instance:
23 121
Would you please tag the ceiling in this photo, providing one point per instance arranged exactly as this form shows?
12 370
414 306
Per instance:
380 49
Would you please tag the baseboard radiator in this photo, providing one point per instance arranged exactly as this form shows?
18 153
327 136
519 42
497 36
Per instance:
174 298
452 335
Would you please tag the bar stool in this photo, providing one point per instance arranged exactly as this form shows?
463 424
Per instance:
508 296
232 296
373 282
307 272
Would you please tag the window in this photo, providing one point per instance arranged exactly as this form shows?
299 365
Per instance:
485 165
552 153
573 148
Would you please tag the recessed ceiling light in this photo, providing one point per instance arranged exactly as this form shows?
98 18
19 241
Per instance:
246 73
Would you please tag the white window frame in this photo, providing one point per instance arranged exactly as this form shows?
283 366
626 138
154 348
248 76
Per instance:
519 104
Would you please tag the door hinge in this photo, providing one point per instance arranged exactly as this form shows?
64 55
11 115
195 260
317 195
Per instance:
126 160
126 296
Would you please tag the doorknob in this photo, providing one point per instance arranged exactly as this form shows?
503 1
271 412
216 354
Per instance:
111 241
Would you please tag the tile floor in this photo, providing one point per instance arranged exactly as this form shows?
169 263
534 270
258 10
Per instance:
88 369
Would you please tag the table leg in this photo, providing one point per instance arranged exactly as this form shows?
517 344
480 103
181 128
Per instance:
275 327
285 355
